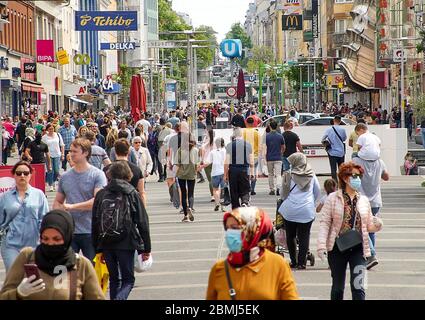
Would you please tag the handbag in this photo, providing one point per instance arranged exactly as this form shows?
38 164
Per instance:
226 196
350 239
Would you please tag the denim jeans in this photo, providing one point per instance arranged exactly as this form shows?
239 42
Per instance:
338 263
84 243
285 164
120 262
372 235
254 181
335 162
9 255
52 175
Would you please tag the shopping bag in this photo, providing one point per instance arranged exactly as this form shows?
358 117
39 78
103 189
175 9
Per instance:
102 272
280 238
226 198
140 265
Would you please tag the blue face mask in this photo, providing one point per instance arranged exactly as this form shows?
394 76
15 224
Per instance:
234 239
355 183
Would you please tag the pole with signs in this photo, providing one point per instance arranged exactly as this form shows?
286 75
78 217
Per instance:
314 87
403 124
260 89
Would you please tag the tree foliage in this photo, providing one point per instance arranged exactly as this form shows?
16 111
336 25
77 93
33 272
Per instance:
123 77
260 55
238 32
419 109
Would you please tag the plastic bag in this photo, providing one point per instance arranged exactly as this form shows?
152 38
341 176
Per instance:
280 238
140 265
102 272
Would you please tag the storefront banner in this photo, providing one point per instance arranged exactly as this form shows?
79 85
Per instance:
7 181
45 51
105 20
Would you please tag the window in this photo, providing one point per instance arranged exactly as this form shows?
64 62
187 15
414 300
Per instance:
340 26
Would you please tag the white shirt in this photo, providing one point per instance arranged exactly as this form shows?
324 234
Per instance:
217 157
294 120
54 143
146 125
370 146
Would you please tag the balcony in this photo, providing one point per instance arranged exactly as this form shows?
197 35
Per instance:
339 39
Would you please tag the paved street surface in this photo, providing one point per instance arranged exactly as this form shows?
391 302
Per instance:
183 253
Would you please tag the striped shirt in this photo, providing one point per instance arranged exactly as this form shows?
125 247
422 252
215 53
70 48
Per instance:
68 135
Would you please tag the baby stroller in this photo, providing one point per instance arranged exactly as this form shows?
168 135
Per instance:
280 236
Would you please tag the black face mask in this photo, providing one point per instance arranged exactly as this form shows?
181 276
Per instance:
54 251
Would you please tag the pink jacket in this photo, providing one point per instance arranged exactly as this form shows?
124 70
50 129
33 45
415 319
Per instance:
331 222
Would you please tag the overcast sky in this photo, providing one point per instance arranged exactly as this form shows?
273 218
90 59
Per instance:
219 14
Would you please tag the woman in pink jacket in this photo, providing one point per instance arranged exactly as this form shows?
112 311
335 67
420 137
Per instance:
344 232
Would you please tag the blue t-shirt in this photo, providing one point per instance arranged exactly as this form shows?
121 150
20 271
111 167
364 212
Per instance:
79 187
274 141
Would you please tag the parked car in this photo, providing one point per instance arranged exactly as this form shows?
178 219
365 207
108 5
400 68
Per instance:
280 119
326 121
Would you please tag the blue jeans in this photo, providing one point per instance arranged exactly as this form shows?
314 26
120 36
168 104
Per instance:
9 255
120 262
285 164
254 181
52 175
423 137
372 235
84 243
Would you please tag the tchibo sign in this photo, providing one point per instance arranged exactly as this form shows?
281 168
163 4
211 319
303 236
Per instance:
118 46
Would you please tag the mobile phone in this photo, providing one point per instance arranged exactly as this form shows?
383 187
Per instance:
32 269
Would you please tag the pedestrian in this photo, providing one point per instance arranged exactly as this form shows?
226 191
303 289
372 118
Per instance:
68 134
292 144
5 145
145 123
144 160
252 136
164 131
368 144
238 120
76 191
330 186
120 227
409 120
98 157
215 160
347 213
334 142
205 151
21 210
300 192
352 140
37 152
100 139
55 260
20 133
187 163
275 147
251 271
56 148
239 169
111 138
152 145
132 154
410 165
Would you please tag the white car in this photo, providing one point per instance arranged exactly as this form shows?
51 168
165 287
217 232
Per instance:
280 119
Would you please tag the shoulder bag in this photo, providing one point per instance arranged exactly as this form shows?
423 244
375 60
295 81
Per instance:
343 143
350 239
232 291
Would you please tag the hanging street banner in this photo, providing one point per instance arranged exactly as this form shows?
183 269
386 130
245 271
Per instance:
45 51
290 7
118 46
292 22
105 20
315 15
62 56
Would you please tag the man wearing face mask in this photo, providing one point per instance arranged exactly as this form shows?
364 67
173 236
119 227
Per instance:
255 272
53 258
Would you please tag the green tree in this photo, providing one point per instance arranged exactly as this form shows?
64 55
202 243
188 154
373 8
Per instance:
238 32
123 77
260 55
206 55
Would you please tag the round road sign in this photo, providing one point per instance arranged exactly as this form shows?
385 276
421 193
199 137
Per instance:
231 92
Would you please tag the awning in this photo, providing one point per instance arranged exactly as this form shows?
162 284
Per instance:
80 101
32 87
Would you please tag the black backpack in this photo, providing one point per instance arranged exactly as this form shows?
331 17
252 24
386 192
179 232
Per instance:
115 218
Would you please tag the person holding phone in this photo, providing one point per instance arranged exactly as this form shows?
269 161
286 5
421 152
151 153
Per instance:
53 271
21 210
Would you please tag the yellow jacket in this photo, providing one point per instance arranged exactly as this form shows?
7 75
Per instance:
268 278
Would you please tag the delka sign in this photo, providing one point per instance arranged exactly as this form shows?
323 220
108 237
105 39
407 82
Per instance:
45 51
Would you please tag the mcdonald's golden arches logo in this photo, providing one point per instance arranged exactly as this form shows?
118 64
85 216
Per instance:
292 22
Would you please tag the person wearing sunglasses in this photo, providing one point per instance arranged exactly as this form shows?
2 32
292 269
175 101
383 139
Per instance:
344 232
21 210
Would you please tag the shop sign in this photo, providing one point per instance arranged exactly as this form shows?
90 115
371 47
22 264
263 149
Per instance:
106 20
45 51
30 68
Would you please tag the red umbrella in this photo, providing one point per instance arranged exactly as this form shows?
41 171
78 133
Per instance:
135 98
240 94
143 98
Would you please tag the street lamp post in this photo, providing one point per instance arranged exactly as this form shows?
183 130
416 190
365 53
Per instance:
301 85
403 124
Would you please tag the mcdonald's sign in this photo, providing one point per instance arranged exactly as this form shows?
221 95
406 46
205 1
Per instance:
292 22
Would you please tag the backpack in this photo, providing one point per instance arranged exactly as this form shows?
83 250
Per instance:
115 220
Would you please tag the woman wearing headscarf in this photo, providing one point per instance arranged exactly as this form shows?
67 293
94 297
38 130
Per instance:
300 191
21 210
29 137
55 261
255 272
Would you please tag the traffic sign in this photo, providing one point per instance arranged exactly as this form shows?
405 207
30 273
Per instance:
231 92
308 84
397 55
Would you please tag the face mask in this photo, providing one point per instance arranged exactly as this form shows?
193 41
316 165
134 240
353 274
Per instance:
234 239
355 183
53 251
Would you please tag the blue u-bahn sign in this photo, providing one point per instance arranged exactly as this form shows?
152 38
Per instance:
231 48
105 20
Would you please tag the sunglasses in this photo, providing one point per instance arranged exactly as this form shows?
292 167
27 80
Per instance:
137 142
21 173
356 175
